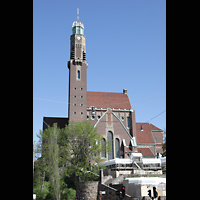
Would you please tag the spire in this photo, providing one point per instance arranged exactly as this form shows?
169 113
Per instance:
77 26
77 14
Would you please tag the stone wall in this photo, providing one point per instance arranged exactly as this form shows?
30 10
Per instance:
87 190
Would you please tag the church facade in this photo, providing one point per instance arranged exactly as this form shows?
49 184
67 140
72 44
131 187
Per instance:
111 113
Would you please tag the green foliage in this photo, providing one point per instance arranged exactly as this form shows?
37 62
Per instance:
85 145
41 194
67 193
68 152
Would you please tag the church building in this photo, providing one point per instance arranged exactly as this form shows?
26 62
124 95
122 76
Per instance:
111 113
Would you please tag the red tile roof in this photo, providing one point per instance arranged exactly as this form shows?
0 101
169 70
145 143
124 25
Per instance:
146 152
145 136
108 100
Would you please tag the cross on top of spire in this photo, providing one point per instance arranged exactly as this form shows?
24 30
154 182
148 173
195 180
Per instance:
77 14
77 22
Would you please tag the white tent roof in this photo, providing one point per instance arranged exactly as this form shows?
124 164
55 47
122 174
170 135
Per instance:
146 180
116 161
129 161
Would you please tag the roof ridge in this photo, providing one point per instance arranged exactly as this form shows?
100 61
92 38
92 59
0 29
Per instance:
147 123
108 92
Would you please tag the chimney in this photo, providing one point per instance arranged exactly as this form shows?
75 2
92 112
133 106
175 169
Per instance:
124 91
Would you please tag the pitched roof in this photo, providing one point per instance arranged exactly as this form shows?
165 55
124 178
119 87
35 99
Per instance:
108 100
145 136
146 152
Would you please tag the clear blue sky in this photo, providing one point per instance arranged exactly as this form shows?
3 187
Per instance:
125 45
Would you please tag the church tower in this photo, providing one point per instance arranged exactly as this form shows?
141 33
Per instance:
77 107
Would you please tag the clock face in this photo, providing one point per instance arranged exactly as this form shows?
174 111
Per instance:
78 38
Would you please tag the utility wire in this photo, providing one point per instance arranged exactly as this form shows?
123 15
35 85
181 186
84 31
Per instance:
158 115
50 100
100 105
152 118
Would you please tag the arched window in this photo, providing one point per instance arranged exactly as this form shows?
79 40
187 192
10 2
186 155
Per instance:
78 74
110 143
117 148
103 146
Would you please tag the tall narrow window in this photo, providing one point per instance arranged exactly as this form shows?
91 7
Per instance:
78 74
117 148
128 122
103 146
110 143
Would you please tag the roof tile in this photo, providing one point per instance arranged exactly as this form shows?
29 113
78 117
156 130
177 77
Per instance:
108 100
146 152
145 136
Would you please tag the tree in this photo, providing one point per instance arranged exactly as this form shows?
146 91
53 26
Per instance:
68 152
50 155
85 148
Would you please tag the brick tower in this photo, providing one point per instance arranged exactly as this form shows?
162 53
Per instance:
77 108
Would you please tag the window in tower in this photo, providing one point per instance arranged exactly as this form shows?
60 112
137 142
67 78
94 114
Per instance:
78 74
